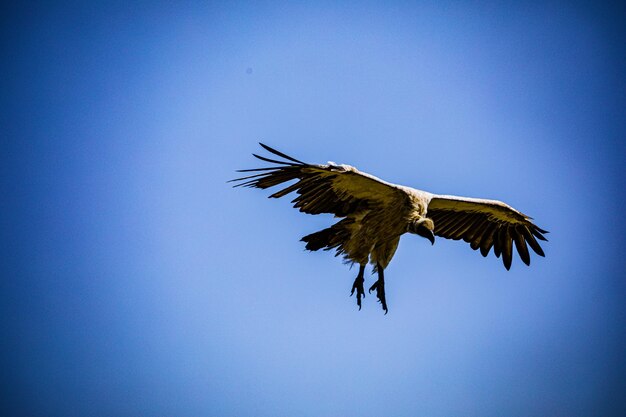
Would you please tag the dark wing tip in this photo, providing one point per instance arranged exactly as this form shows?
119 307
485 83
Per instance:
278 153
525 257
274 161
539 235
507 260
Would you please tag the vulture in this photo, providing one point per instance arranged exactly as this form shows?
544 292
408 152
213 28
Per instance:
375 213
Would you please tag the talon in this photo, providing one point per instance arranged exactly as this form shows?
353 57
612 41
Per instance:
379 286
358 286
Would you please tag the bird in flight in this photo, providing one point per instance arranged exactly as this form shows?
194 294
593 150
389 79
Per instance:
375 213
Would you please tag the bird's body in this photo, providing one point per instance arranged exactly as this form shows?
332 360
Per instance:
376 213
373 233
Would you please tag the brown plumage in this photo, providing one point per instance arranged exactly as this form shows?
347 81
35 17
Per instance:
376 213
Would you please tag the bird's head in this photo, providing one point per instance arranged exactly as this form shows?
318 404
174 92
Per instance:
423 227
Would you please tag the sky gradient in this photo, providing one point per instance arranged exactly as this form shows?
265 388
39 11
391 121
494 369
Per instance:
137 282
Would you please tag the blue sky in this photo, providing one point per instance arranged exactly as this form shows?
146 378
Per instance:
135 281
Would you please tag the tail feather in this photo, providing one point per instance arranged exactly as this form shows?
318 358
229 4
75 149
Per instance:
333 237
319 240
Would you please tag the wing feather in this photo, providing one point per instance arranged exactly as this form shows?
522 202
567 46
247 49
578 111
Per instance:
485 224
458 232
478 228
337 189
520 245
285 191
497 246
442 222
486 240
530 239
475 227
282 155
507 249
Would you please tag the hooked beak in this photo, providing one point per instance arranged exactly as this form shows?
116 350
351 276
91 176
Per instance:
427 233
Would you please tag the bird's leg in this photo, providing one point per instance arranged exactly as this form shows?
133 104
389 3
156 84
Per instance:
358 286
379 286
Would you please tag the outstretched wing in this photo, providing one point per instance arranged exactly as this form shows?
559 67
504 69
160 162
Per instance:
337 189
486 223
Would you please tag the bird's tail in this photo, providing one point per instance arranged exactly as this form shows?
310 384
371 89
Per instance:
327 239
319 240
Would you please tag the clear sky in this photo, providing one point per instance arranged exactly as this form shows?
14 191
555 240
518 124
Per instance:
136 282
